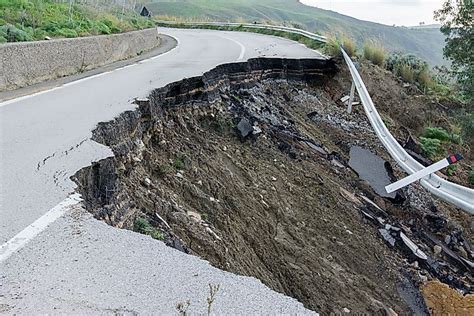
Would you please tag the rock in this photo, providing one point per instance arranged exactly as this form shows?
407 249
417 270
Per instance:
463 252
147 182
447 239
346 310
437 249
47 38
195 216
388 238
244 127
136 159
256 130
224 148
199 182
179 175
274 179
121 166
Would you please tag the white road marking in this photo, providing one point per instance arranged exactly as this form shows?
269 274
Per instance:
30 232
86 78
242 47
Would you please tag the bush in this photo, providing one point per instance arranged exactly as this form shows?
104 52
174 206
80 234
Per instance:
14 34
437 133
471 177
374 52
2 39
430 147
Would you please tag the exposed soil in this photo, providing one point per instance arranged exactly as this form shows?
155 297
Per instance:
281 203
443 300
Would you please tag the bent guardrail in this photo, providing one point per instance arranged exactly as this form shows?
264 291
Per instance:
456 194
453 193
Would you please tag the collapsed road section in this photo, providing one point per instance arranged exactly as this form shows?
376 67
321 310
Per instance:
255 167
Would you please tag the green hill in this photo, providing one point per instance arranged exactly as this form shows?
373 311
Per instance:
426 43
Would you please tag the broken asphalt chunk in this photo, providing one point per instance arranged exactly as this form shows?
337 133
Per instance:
244 127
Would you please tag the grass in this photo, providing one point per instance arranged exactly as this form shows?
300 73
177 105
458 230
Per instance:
334 43
143 226
27 20
374 52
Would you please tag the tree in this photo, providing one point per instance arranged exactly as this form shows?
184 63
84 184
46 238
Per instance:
457 23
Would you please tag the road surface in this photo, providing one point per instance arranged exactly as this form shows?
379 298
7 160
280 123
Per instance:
78 264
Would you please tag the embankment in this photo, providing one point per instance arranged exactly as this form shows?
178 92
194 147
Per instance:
27 63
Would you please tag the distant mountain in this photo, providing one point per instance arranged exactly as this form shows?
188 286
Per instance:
425 42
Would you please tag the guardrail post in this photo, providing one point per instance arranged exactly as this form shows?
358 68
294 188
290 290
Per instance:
351 98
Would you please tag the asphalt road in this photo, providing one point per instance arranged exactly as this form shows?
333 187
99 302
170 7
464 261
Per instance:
76 261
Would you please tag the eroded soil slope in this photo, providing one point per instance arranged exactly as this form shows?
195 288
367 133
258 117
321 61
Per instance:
247 167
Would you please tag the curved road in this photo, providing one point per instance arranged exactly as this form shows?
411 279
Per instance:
78 264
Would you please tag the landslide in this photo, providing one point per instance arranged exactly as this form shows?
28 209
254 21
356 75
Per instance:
248 168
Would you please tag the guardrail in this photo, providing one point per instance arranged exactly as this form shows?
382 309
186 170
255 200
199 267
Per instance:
456 194
307 34
453 193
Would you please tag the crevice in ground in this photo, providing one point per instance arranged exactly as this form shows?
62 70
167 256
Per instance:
248 167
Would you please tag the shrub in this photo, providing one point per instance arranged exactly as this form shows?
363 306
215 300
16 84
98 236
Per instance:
14 34
374 52
471 177
101 28
2 39
436 133
430 147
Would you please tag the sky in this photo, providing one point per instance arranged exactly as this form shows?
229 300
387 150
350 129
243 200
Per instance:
398 12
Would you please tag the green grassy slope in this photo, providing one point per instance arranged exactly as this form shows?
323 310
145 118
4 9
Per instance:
26 20
426 43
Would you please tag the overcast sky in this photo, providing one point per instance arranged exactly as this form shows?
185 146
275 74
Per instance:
399 12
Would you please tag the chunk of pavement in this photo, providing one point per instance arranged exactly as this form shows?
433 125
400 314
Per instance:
386 235
244 127
256 130
437 249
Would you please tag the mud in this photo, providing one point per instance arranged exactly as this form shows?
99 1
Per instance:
248 167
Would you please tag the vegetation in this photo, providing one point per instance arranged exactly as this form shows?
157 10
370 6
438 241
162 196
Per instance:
26 20
458 26
471 177
433 139
375 52
334 43
143 226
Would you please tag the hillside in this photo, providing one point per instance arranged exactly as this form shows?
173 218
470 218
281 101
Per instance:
426 43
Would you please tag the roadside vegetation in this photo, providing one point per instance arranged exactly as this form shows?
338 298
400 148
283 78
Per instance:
28 20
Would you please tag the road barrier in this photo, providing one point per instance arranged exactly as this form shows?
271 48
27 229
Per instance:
453 193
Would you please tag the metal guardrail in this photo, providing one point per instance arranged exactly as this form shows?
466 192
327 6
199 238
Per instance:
307 34
453 193
456 194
